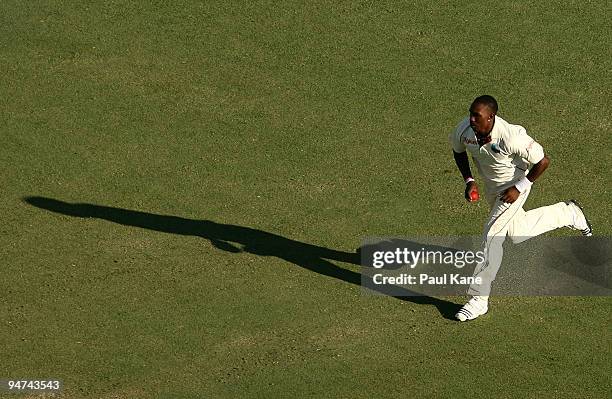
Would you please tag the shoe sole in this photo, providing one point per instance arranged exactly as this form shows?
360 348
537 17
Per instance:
468 319
590 233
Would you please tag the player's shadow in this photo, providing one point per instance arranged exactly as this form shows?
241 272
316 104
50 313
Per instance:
232 238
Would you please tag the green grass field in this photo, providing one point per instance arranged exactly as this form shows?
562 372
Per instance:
232 156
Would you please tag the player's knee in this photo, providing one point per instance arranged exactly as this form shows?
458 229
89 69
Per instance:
496 242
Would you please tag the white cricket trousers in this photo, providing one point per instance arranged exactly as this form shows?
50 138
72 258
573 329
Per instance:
519 225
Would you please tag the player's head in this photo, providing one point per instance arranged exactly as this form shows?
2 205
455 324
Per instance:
482 114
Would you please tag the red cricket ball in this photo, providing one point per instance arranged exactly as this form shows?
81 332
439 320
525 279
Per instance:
474 196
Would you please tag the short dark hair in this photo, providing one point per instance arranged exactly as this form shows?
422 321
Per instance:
487 100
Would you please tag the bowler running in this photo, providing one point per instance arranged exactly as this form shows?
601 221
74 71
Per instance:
509 161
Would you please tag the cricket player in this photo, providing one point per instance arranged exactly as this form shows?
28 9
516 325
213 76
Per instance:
509 161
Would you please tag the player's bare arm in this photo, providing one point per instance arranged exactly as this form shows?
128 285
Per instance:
463 164
511 194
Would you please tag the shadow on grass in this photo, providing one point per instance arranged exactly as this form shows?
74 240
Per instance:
232 238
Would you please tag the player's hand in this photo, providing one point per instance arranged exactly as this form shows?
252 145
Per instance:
510 195
471 192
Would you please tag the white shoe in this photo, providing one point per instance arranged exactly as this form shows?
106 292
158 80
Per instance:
580 221
477 306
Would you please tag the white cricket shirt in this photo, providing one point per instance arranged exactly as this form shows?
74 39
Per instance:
505 159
